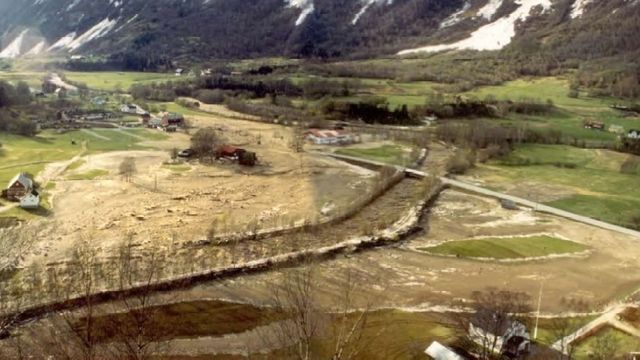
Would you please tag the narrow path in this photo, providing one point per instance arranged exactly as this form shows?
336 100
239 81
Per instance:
23 164
94 134
8 207
608 318
483 191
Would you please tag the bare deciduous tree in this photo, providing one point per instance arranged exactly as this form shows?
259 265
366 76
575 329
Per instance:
605 347
135 332
493 312
561 328
128 168
306 329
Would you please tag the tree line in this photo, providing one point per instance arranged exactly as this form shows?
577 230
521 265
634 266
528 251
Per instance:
12 97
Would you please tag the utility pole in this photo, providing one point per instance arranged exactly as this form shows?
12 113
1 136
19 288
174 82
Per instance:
535 330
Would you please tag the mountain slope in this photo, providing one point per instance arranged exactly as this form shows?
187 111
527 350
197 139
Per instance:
201 29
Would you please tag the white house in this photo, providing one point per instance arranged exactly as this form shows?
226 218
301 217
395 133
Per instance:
633 134
440 352
511 336
31 200
133 109
330 137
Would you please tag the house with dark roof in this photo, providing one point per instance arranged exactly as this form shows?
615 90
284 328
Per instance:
594 125
170 118
18 187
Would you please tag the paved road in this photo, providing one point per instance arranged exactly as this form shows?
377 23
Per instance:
520 201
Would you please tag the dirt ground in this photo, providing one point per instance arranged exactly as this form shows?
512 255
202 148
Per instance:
401 277
166 203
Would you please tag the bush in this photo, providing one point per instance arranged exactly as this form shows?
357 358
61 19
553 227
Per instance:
573 93
210 96
461 162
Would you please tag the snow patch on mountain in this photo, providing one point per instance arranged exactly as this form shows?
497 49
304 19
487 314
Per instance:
490 9
38 49
493 36
306 6
14 49
365 6
578 8
73 4
63 42
97 31
455 17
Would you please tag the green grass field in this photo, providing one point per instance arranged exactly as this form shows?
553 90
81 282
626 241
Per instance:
32 154
390 154
551 330
619 341
571 111
507 248
112 81
34 79
594 179
388 334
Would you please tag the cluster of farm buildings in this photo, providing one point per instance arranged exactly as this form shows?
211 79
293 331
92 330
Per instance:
22 189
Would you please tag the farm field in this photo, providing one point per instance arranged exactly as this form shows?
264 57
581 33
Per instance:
114 81
571 114
33 78
600 184
568 117
507 248
607 338
101 80
32 154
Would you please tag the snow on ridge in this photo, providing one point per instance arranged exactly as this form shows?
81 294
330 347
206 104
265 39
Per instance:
365 7
578 8
97 31
306 6
38 49
455 17
14 49
490 9
493 36
63 42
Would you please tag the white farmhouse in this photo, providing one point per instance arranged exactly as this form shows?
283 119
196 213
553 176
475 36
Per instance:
510 336
633 134
31 200
330 137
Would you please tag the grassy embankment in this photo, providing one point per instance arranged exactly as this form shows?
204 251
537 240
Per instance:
507 248
601 184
